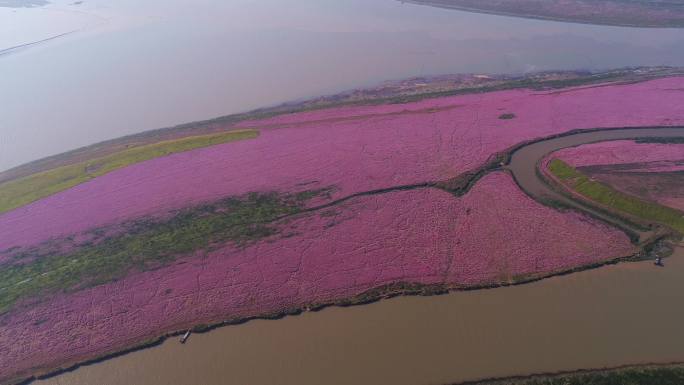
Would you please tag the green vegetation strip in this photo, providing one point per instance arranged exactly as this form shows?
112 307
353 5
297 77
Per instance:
20 192
144 244
633 376
614 199
661 140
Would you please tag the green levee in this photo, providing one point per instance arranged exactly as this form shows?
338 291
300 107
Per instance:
633 376
20 192
145 243
603 194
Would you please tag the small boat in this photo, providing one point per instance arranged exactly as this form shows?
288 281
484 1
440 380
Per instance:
185 337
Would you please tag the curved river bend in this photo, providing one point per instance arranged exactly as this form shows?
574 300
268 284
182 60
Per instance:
616 315
524 161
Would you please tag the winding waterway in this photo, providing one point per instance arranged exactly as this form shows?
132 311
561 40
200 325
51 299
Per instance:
616 315
524 161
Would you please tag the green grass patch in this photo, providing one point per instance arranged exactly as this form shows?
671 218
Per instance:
605 195
661 140
633 376
144 244
20 192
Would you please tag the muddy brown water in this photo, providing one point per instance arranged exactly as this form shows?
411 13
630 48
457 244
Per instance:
622 314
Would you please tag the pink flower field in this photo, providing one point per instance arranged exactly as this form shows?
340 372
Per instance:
646 170
354 148
653 157
493 234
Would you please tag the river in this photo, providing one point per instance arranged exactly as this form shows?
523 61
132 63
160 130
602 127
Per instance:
132 65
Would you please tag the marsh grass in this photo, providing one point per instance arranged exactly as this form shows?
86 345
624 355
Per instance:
632 376
20 192
605 195
661 140
147 244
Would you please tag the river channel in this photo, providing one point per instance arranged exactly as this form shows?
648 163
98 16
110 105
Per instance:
523 165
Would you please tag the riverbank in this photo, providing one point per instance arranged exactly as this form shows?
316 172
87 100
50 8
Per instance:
534 181
457 337
653 374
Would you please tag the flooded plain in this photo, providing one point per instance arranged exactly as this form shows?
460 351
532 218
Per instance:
622 314
125 66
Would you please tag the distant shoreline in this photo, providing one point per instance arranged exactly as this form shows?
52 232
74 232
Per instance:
7 51
392 92
530 9
675 367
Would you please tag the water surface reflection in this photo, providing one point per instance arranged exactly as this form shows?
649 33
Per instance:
141 65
